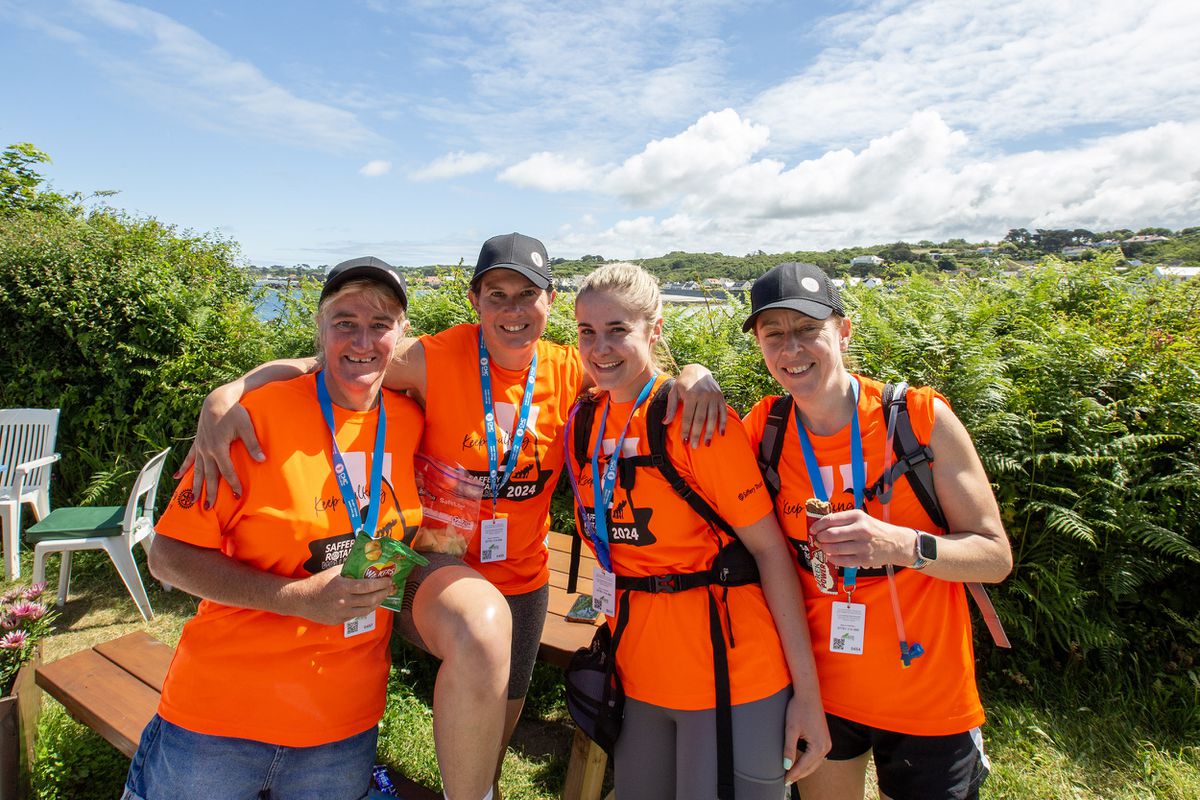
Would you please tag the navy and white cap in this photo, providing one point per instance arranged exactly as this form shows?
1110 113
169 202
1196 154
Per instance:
517 252
369 268
800 287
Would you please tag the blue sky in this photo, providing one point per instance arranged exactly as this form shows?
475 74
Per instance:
415 130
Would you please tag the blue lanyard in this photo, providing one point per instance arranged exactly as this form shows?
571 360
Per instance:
857 468
489 421
349 498
603 486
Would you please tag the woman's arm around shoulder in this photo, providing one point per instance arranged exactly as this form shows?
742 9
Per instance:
223 420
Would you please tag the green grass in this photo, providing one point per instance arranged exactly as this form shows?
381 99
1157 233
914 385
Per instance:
1068 736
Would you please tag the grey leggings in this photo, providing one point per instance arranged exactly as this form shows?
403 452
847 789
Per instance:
664 753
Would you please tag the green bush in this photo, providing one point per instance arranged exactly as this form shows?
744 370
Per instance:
124 324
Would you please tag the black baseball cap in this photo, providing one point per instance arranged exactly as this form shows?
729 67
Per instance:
369 268
517 252
800 287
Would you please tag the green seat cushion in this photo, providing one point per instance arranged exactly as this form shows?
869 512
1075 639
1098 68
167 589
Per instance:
77 523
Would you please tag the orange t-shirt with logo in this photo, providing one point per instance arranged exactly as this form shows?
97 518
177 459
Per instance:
937 694
264 676
665 656
455 434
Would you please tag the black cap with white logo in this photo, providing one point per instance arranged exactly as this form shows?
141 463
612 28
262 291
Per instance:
517 252
368 268
800 287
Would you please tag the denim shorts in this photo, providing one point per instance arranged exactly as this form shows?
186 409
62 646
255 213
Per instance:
173 762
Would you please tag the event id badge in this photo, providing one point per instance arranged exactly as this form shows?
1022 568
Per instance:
359 625
493 539
604 591
848 628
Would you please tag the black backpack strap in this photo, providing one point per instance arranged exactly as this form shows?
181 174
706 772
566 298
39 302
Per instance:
724 707
581 420
912 457
771 446
656 431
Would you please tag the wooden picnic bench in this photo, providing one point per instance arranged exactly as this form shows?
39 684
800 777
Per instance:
113 687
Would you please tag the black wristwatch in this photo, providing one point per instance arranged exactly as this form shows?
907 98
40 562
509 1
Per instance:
925 549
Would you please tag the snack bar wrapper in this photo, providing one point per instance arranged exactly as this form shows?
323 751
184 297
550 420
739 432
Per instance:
380 558
450 498
823 574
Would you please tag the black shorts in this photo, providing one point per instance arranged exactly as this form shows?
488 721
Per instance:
914 767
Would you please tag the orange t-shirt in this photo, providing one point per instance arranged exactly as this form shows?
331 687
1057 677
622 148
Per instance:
455 434
281 679
936 695
665 656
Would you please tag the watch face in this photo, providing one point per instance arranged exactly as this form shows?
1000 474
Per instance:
927 546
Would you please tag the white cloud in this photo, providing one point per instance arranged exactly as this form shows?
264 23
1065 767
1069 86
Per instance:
1003 69
716 144
373 169
551 172
179 69
921 181
453 165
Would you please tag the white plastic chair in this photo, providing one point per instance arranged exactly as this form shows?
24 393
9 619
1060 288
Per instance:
111 528
26 452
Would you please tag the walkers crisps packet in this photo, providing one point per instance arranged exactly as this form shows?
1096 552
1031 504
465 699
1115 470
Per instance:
450 498
379 558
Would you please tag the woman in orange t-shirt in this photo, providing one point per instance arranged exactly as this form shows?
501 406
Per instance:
643 530
920 721
279 681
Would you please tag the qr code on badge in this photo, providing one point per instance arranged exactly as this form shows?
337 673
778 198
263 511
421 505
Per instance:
352 625
839 643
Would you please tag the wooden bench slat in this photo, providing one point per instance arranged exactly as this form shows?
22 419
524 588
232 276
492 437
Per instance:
561 562
99 694
141 655
560 640
559 581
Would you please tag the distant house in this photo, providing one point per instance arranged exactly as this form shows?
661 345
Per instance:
866 261
1075 252
985 251
1107 244
1146 239
1176 273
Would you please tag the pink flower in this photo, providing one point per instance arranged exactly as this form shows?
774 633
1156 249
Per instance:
27 610
35 591
10 595
13 640
8 622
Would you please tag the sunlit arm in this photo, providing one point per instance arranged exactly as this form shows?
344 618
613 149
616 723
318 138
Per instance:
326 598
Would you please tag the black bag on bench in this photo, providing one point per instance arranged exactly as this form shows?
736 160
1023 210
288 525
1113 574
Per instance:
595 698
